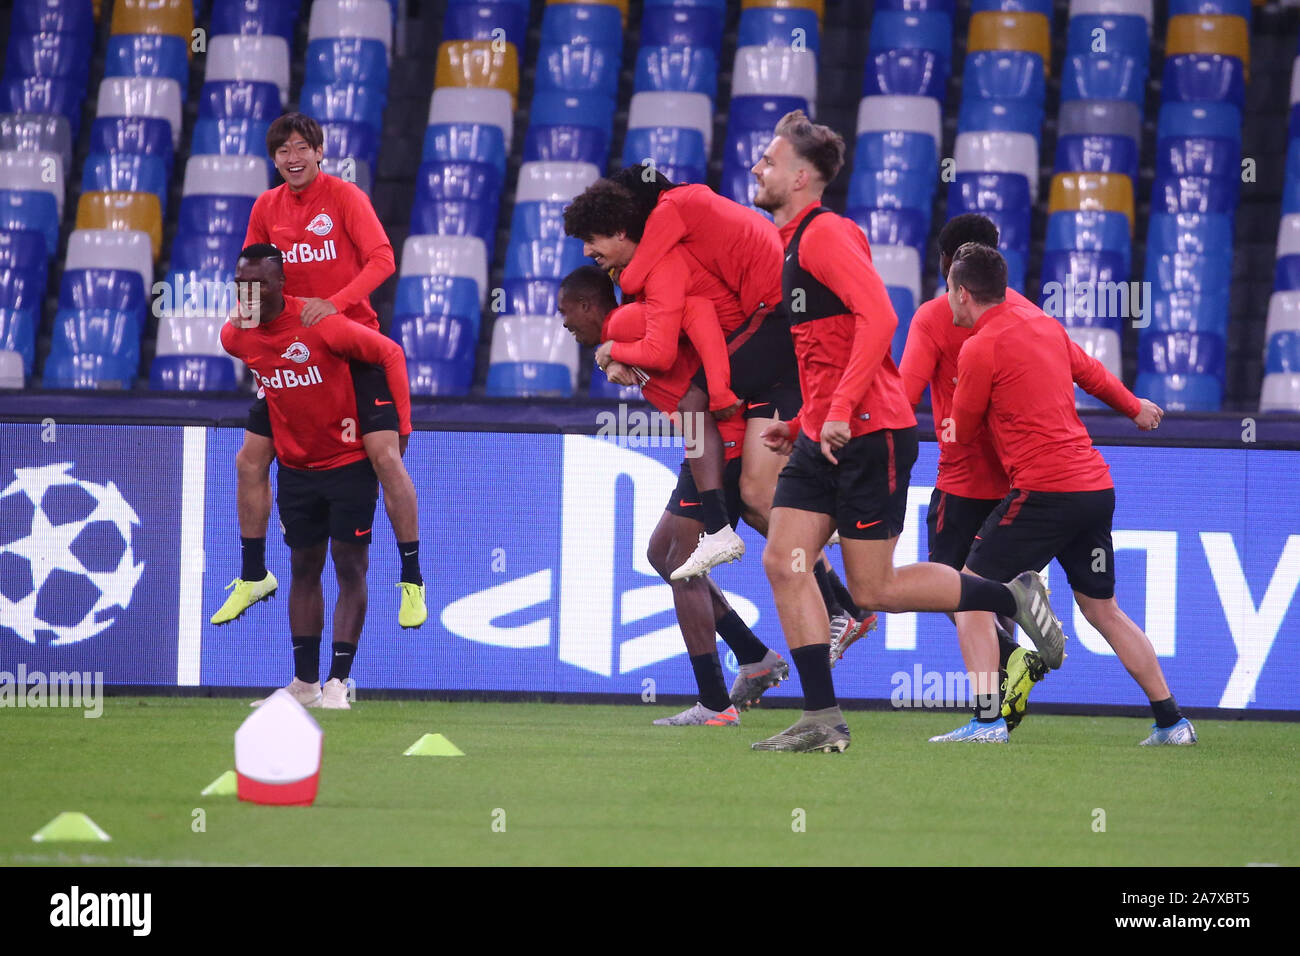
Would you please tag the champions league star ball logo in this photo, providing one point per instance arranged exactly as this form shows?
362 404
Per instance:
75 562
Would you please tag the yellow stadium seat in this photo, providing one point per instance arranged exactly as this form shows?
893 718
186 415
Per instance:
621 4
476 63
1193 33
818 5
121 210
168 17
97 8
999 30
1092 192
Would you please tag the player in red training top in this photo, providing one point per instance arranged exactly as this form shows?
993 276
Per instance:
971 481
1016 375
852 445
336 253
327 487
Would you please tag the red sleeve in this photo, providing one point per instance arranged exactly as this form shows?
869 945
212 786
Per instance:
257 231
795 425
664 299
970 402
700 323
920 359
367 235
663 230
229 342
1096 380
353 340
845 267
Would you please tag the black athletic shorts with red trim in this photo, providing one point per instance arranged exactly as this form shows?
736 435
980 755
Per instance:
763 366
952 523
1029 528
866 493
685 501
336 503
376 411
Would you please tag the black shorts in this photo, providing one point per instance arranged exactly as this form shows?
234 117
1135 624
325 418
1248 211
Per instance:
376 411
1029 528
764 371
685 501
866 493
952 523
782 401
336 503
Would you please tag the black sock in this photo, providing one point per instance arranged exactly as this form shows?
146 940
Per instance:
822 572
813 662
708 678
715 510
844 597
341 664
1166 712
981 594
306 658
252 553
747 648
988 707
410 552
1006 630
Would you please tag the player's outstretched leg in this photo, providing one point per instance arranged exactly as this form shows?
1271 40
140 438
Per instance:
718 543
351 561
1024 669
306 620
385 452
253 496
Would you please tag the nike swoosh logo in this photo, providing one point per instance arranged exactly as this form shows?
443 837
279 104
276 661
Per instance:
407 554
862 527
361 533
378 402
690 504
759 404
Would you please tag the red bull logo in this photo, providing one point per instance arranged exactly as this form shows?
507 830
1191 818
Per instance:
297 352
288 378
321 225
304 252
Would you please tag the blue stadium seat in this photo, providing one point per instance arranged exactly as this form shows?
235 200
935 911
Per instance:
1097 154
21 289
23 250
1283 352
572 109
150 135
457 181
18 334
666 146
480 21
1020 6
666 25
1187 272
774 26
681 69
35 95
976 192
440 379
465 142
1201 156
1286 273
1013 227
905 73
192 373
239 99
1090 232
1075 266
1210 120
214 215
1229 8
596 24
738 185
53 16
349 102
603 388
1198 194
1017 268
566 144
98 332
347 60
439 296
1124 33
538 219
890 189
258 17
452 217
529 379
1004 75
1205 77
895 227
211 256
1190 312
37 211
90 370
60 56
543 259
1105 76
934 6
1000 115
904 30
897 150
116 290
143 54
578 69
229 137
1181 371
904 308
439 338
760 112
357 140
126 172
531 296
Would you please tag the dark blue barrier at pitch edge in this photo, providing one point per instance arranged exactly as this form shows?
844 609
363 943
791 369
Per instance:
534 556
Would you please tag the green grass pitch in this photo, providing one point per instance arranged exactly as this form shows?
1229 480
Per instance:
581 784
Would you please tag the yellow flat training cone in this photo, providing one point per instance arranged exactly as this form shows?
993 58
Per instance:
71 826
433 745
224 786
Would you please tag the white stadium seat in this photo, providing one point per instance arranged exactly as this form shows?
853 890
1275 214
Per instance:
899 266
1281 392
256 58
1283 313
142 96
1101 344
11 370
996 152
368 19
468 105
180 334
775 71
689 110
1135 8
447 255
1288 235
917 114
534 345
129 249
33 131
38 172
359 172
554 182
225 176
1295 80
